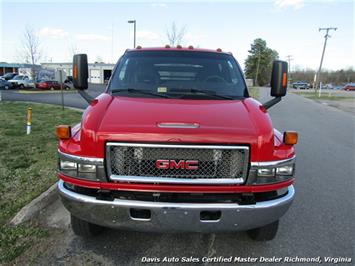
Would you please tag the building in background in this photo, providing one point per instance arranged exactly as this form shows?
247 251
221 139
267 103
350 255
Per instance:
98 72
24 69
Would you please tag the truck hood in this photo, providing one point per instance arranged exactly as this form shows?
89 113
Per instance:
161 116
131 119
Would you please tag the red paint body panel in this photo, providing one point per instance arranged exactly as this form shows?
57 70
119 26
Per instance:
128 119
134 119
176 188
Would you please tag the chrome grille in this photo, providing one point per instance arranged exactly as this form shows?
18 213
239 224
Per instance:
135 162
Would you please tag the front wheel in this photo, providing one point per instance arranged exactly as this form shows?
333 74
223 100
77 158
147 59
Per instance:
265 233
84 228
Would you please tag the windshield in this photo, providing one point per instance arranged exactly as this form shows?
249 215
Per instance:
8 75
18 77
179 74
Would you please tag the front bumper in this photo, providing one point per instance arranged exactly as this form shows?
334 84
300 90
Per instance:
174 217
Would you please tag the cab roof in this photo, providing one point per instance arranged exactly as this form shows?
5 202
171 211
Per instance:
169 48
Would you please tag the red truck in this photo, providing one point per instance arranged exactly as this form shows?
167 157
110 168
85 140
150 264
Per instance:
175 143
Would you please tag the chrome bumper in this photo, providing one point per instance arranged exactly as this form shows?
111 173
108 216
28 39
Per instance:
174 217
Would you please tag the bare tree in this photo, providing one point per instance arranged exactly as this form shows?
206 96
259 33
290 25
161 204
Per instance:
175 34
31 49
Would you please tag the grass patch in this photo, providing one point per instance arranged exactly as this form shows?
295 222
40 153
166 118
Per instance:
254 92
27 167
324 96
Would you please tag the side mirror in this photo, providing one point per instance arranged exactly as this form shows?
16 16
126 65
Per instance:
279 78
80 71
278 83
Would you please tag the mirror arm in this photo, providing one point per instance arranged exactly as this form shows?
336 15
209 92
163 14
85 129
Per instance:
86 96
271 102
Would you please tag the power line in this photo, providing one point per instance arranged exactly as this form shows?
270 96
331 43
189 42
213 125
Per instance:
326 36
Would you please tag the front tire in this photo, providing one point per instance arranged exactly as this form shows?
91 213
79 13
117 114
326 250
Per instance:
83 228
265 233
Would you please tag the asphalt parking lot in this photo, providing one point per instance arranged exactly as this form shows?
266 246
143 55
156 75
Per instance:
319 223
71 97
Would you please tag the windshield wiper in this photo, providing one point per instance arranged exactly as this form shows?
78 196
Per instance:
132 90
211 93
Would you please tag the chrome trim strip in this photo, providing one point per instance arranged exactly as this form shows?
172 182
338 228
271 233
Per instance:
124 144
90 160
150 179
145 204
178 125
273 163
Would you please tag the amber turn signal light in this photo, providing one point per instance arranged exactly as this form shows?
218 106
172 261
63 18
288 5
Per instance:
290 137
63 131
284 79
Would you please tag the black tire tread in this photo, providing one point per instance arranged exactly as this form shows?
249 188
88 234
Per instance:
84 228
265 233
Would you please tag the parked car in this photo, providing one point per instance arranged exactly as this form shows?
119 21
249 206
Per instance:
349 87
69 79
301 85
22 82
8 76
51 85
5 85
328 86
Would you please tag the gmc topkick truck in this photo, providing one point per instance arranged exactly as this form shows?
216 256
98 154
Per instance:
175 143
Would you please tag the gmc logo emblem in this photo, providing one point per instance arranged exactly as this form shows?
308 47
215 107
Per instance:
181 164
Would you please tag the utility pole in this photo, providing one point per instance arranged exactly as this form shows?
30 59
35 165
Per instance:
289 59
326 36
257 70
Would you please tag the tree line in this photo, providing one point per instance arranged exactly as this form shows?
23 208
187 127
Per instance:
338 77
258 67
258 64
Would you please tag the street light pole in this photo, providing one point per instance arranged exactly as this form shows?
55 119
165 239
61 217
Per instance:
134 31
326 36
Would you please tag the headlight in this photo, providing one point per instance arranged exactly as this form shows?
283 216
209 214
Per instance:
266 172
67 165
271 172
285 170
87 168
82 167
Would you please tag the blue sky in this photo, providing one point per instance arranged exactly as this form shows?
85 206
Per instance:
288 26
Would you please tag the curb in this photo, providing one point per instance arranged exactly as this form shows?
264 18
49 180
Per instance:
36 205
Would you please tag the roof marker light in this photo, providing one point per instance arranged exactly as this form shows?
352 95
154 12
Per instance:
139 47
191 47
167 46
219 50
178 46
